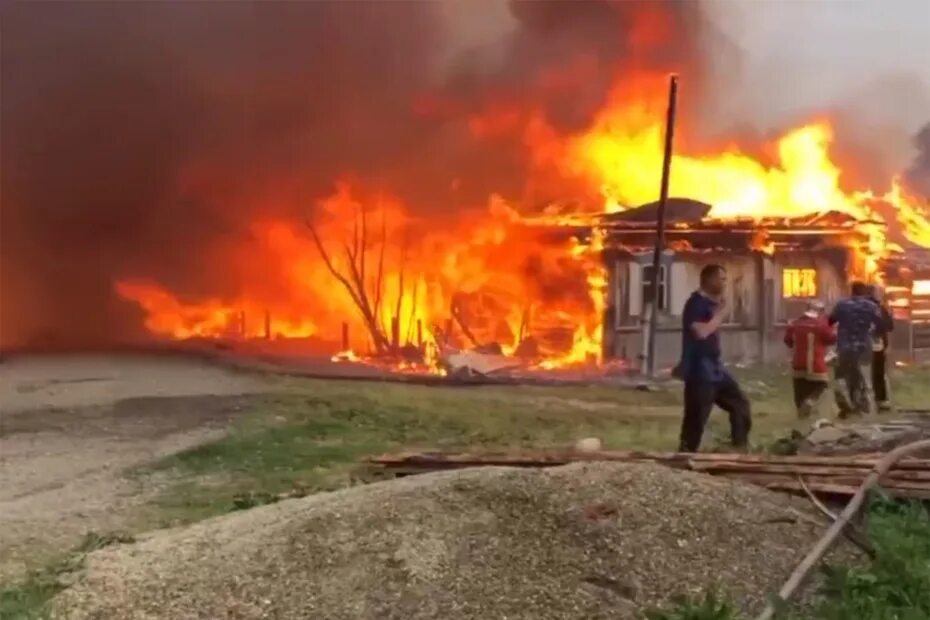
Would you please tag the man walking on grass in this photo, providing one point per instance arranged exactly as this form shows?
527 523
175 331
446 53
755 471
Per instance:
808 337
707 382
880 352
856 318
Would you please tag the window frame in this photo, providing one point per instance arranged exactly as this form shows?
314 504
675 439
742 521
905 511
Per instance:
797 283
646 285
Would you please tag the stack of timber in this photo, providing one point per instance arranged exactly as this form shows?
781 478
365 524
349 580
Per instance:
830 475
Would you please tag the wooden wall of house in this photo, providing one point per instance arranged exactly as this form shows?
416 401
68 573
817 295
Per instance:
683 277
832 282
758 309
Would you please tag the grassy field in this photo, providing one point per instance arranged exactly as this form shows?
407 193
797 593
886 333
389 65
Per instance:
313 434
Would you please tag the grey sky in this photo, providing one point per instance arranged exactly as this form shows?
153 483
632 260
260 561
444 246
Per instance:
809 54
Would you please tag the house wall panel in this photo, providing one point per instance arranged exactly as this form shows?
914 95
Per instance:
741 339
635 288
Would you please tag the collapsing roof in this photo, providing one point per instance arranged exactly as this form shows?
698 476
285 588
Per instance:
689 229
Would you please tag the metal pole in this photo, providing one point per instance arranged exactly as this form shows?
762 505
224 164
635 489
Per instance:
660 224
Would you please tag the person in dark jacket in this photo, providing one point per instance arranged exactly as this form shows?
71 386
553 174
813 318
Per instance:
707 382
880 352
808 337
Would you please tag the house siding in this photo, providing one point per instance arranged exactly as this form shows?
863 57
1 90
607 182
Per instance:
754 326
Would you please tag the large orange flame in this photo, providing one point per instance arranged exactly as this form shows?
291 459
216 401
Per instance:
166 315
498 274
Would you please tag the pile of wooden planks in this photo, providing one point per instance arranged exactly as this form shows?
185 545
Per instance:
831 475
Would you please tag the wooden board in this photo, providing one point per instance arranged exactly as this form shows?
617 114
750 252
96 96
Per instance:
837 475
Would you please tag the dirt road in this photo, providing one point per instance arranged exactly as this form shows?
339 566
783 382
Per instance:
70 426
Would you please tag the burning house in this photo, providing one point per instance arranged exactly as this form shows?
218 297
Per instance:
420 212
775 266
907 277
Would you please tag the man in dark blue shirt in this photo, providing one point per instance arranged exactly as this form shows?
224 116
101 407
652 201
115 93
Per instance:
707 382
857 319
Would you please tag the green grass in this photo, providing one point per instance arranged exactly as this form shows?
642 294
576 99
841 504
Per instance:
29 598
711 606
894 586
312 435
909 387
897 584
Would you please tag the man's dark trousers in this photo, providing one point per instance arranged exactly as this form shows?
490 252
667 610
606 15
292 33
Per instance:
880 379
807 395
700 398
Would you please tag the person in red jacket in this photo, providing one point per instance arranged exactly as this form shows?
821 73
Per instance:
809 336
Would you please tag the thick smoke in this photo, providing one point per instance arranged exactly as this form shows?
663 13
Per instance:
136 135
140 139
568 54
918 174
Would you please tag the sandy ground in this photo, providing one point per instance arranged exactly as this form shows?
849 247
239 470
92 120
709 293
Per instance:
70 426
595 541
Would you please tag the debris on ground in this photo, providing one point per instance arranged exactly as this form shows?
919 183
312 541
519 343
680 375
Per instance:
833 475
586 541
588 444
477 362
867 435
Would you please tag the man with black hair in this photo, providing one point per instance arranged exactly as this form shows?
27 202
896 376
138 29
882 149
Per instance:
880 352
856 319
707 382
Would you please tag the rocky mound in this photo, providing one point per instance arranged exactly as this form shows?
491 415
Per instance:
584 541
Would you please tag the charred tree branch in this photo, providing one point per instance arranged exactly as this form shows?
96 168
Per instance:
400 280
353 286
460 321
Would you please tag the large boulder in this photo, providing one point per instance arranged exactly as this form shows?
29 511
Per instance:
584 541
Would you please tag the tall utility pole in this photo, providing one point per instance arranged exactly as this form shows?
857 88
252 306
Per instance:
660 225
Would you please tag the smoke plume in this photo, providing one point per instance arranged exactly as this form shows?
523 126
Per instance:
918 174
141 139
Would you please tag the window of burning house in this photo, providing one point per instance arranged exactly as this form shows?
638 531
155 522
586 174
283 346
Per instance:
797 283
647 287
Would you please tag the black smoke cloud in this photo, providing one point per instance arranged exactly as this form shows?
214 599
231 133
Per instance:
614 36
109 107
917 176
139 138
